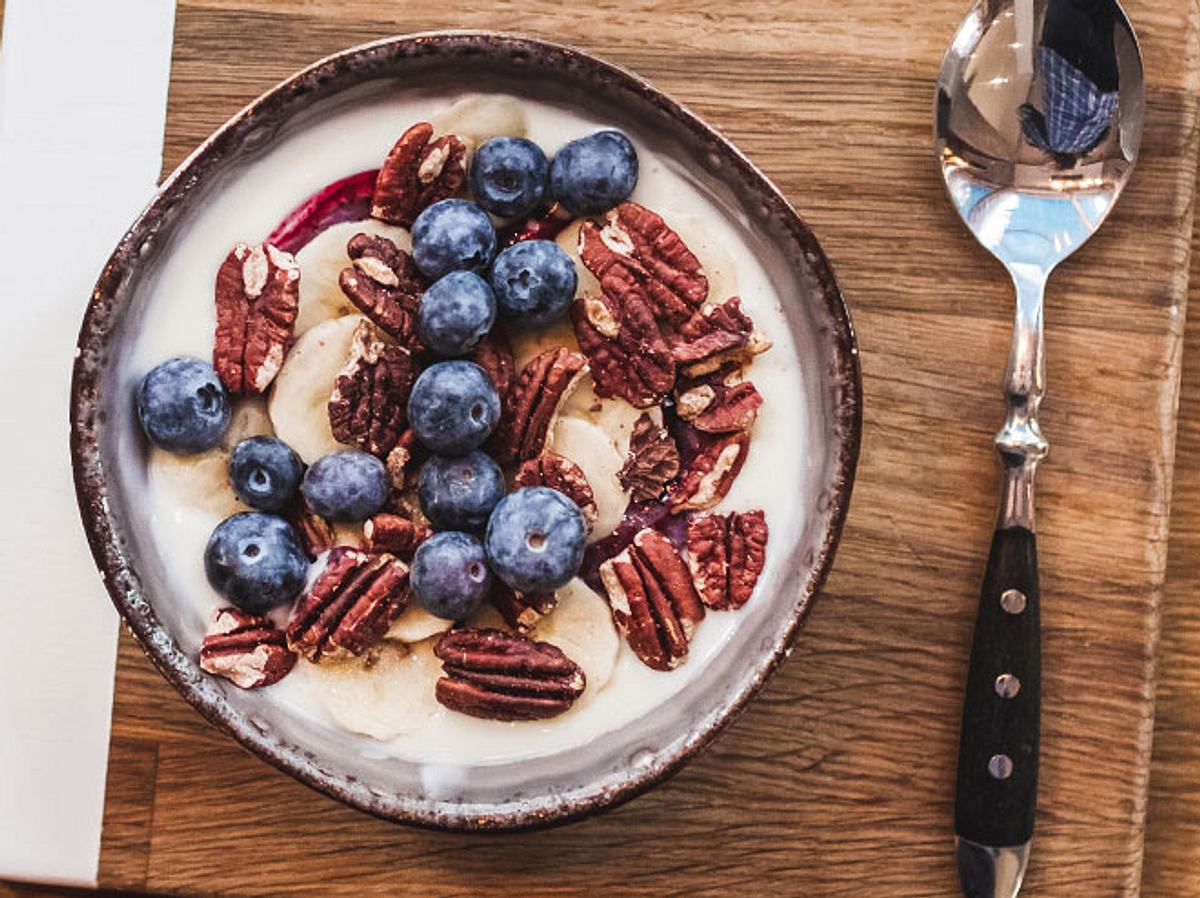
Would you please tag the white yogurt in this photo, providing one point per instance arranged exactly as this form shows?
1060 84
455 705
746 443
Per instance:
186 500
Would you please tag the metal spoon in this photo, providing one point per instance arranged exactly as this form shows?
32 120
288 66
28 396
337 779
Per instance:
1038 123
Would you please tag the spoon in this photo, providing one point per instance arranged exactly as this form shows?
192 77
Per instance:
1038 121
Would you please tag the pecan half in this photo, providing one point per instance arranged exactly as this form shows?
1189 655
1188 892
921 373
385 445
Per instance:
635 246
316 534
710 475
400 461
719 406
417 173
726 554
370 396
522 610
495 356
258 297
559 473
627 354
503 676
652 462
654 604
533 402
384 284
350 606
715 338
245 649
395 534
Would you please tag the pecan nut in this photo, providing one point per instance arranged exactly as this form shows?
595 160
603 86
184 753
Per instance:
400 461
652 462
417 173
715 338
625 350
635 246
258 297
246 649
370 396
395 534
710 475
540 389
718 406
350 606
522 610
504 676
559 473
495 356
384 284
726 554
653 601
315 532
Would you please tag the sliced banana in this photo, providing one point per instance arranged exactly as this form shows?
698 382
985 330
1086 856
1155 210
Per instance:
321 263
486 618
416 624
300 396
581 625
393 696
596 454
568 239
479 117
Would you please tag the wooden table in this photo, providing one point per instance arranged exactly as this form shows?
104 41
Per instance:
838 780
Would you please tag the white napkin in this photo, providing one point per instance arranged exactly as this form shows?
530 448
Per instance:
83 86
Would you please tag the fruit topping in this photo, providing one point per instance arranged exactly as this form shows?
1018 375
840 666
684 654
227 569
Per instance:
508 176
394 533
453 408
453 235
450 576
594 173
562 474
547 227
346 200
456 312
718 404
522 610
265 473
182 406
710 474
459 493
383 283
534 281
625 350
368 406
726 554
535 399
255 561
257 296
475 118
501 676
652 463
245 649
535 539
346 486
418 172
716 338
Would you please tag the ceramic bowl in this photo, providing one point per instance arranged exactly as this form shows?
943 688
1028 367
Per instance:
108 453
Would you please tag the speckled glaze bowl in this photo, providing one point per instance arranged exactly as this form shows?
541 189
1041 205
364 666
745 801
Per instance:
106 448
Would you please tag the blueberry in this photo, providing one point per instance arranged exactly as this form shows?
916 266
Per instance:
453 407
508 176
346 486
449 576
452 235
594 173
455 312
183 406
265 473
460 493
534 282
535 539
255 561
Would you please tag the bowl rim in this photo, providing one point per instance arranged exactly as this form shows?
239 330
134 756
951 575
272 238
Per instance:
360 64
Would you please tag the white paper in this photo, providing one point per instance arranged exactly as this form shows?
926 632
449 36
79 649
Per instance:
83 87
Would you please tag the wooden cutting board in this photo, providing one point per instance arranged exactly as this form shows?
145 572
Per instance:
838 780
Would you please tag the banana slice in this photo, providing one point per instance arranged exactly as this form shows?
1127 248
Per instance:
486 618
568 239
529 343
416 624
479 117
321 262
596 454
393 696
300 396
581 625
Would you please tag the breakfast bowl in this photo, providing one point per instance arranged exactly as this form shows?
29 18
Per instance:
704 244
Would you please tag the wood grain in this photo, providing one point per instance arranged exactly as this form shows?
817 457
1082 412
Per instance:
837 781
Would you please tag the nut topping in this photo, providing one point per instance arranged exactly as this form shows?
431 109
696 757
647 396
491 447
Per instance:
719 406
635 246
368 405
726 554
535 398
350 606
258 297
717 337
502 676
384 283
654 604
521 610
710 475
652 463
246 649
627 354
562 474
395 534
316 534
495 356
417 173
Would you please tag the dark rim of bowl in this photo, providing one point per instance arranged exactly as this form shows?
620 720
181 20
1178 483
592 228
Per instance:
357 65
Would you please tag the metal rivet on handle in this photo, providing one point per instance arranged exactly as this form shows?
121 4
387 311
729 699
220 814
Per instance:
1012 601
1000 767
1007 685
